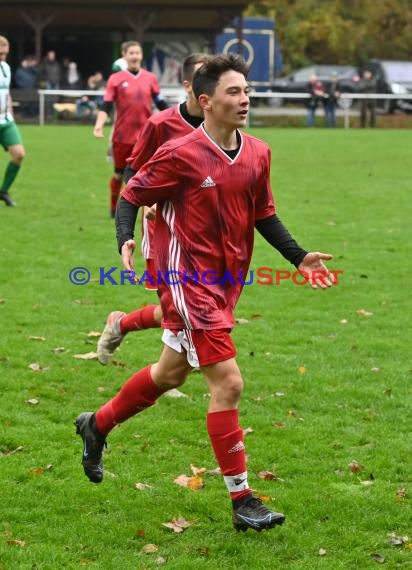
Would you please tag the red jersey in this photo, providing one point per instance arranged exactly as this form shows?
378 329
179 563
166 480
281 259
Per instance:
133 97
207 205
160 128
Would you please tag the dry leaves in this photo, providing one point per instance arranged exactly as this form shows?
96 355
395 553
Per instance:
142 486
178 525
401 494
36 367
195 483
241 321
175 393
149 548
93 334
32 402
302 370
86 356
354 466
322 552
378 558
37 338
363 313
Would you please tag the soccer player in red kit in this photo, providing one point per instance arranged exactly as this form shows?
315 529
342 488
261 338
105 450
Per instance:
171 123
132 93
212 188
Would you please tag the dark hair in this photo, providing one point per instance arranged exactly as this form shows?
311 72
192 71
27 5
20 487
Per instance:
126 45
188 66
207 77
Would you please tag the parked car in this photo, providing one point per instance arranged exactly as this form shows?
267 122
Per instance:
393 77
297 82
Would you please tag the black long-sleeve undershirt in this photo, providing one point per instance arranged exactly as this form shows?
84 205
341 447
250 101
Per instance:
277 235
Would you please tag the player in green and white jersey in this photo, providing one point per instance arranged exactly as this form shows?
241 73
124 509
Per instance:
10 137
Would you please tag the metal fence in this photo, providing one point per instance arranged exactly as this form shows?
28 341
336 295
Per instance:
177 94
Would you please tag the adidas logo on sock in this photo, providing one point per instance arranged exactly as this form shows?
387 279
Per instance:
207 182
238 447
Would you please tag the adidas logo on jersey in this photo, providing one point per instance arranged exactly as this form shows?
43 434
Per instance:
238 447
207 182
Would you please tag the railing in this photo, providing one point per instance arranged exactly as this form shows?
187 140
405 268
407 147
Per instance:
176 94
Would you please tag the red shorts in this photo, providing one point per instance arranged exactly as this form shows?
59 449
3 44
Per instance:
203 347
121 153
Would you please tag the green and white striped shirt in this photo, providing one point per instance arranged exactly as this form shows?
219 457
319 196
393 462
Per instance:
5 78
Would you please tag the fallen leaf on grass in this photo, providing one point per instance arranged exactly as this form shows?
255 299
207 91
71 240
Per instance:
354 466
140 532
36 471
266 475
263 498
178 525
36 367
119 363
197 470
203 550
247 431
86 356
401 494
37 338
279 425
58 350
175 393
149 548
364 313
194 483
32 402
322 552
378 558
343 321
16 542
160 560
395 540
215 471
241 321
142 486
11 451
302 370
93 334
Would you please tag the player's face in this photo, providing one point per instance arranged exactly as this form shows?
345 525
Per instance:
229 104
4 52
134 56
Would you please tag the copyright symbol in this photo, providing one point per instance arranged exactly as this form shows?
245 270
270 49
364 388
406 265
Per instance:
79 276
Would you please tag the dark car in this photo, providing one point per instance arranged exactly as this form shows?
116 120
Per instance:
395 78
297 82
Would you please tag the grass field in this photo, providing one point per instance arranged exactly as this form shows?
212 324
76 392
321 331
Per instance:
327 373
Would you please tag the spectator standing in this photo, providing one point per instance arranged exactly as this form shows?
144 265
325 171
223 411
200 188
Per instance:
330 100
72 78
50 72
367 85
316 92
10 137
25 78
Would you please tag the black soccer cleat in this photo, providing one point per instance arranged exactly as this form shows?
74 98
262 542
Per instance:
93 442
252 513
5 196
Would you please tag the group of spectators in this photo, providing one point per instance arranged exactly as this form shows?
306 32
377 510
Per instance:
326 95
50 73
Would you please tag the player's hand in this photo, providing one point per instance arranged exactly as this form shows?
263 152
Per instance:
150 213
315 270
98 132
128 256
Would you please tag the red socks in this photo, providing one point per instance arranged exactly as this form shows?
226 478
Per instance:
137 394
138 320
115 187
227 441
